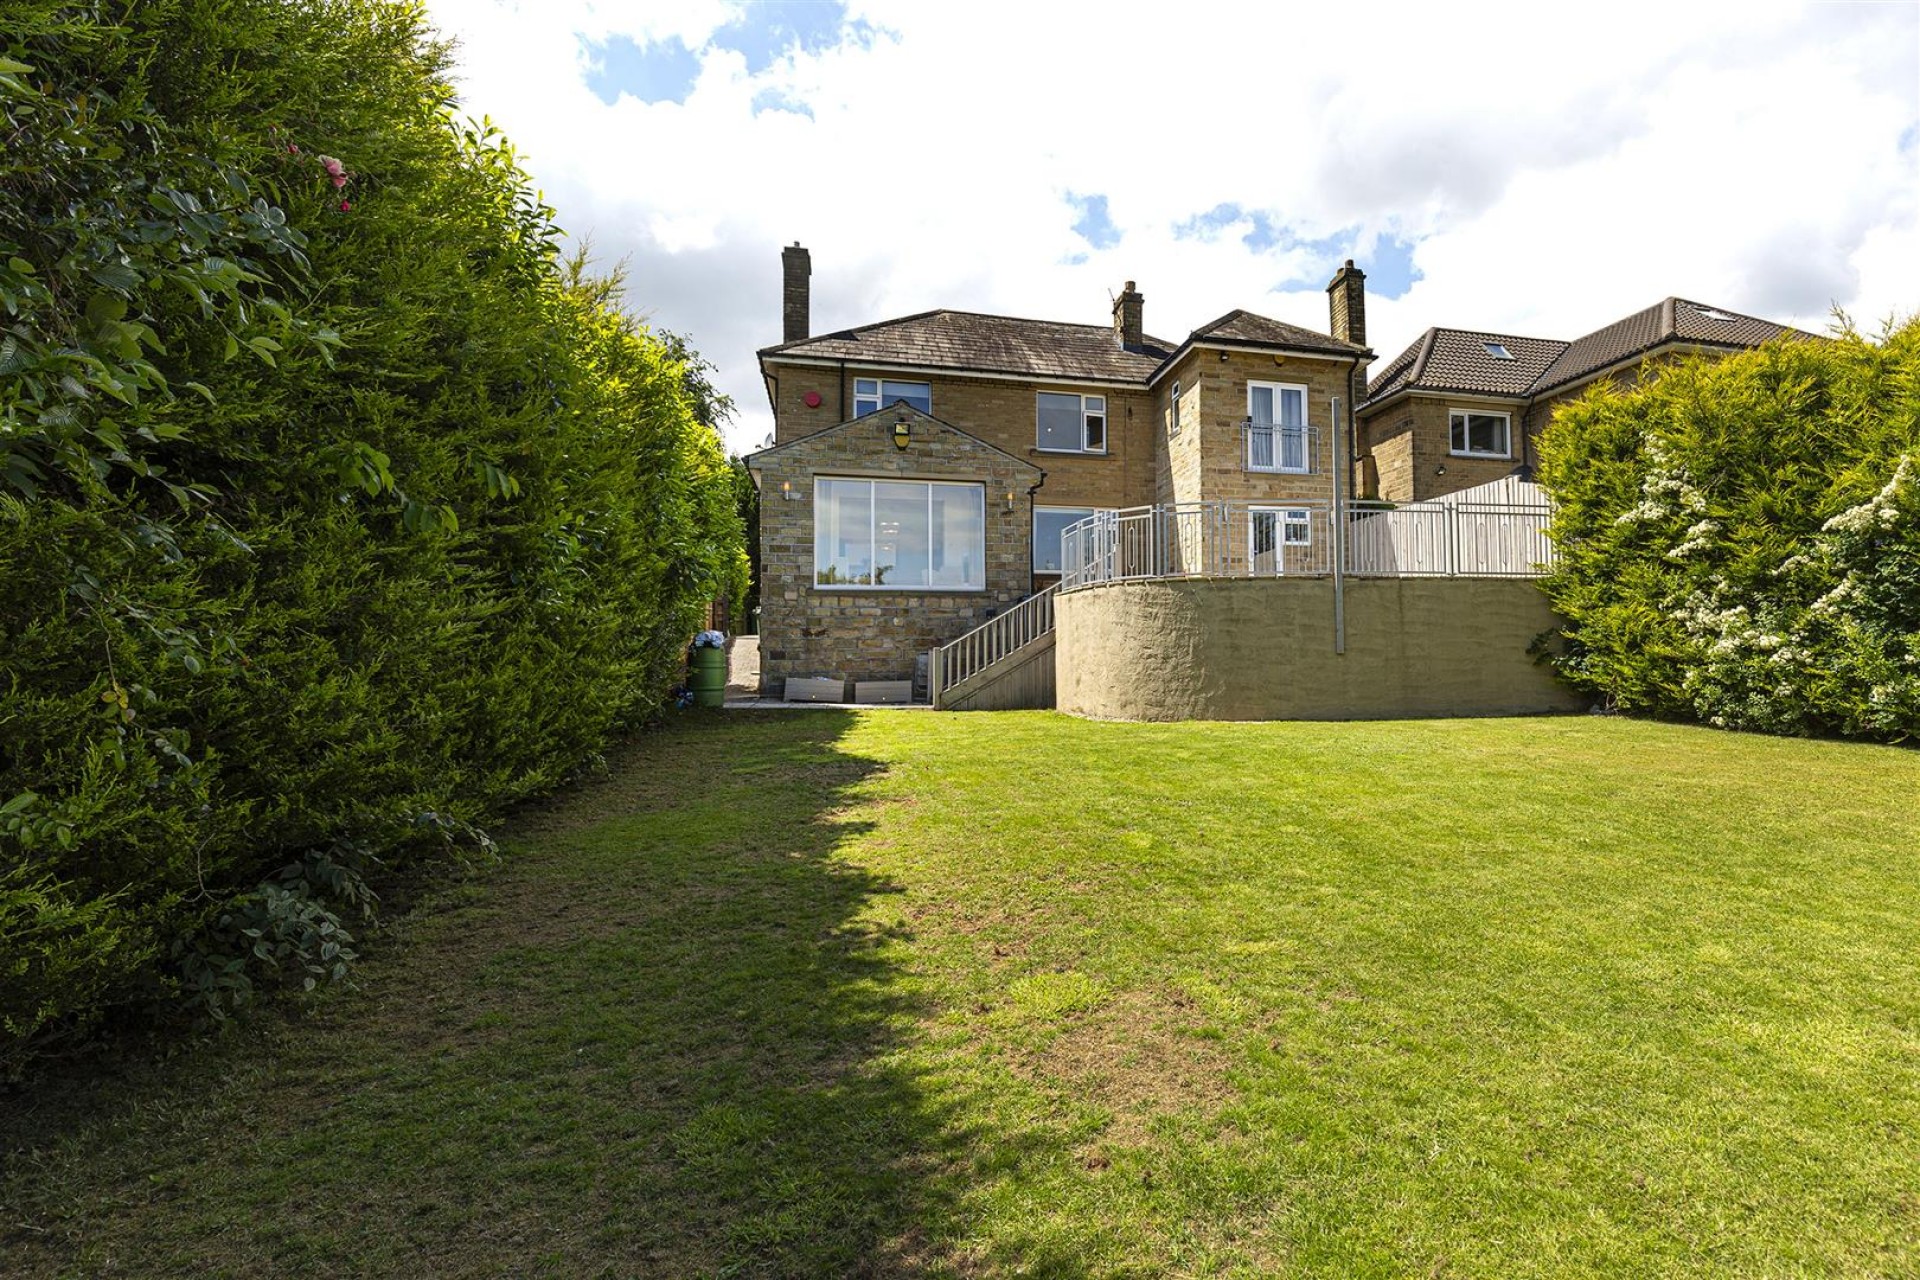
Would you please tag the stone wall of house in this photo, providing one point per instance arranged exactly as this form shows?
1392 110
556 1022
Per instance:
1412 441
1005 415
1178 469
1219 469
876 633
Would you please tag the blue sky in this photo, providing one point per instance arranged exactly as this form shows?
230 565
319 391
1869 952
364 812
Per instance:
1537 176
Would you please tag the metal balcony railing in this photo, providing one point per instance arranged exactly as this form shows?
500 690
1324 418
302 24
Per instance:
1279 538
1280 446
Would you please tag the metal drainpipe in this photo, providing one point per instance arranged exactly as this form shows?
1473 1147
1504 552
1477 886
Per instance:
1339 544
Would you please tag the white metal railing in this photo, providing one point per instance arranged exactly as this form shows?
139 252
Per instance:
996 638
1281 446
1279 538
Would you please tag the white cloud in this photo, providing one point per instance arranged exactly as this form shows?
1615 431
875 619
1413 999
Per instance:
1556 167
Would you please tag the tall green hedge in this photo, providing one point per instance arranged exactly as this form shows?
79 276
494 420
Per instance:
1740 539
336 513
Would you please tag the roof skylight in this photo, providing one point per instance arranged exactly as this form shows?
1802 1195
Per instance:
1710 313
1497 350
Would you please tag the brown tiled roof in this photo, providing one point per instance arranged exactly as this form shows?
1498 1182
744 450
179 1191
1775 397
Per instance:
1457 359
1239 326
1669 320
967 340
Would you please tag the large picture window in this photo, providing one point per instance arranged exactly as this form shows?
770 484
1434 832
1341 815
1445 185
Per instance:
1071 423
1048 524
899 535
872 394
1480 435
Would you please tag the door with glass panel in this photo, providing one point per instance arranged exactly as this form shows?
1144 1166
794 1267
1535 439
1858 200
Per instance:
1279 540
1276 427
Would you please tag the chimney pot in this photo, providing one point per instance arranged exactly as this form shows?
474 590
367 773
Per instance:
796 271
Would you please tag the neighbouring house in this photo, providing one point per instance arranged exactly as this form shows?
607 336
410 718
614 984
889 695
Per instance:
1008 512
1460 407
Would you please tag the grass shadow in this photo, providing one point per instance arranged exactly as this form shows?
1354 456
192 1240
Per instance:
657 1042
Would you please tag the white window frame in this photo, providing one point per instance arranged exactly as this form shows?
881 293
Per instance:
1466 434
1085 513
873 533
1284 524
1279 451
877 399
1173 410
1088 411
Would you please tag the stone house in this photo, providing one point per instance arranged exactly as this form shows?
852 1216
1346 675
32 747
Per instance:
923 469
1460 408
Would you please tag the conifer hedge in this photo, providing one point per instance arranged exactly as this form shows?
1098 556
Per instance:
336 513
1740 539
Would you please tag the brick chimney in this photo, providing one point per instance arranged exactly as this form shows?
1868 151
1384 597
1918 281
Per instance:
796 268
1126 317
1347 304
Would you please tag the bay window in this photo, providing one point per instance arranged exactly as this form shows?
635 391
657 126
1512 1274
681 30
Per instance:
900 535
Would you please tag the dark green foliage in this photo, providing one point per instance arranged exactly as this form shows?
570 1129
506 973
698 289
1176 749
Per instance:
335 513
1741 540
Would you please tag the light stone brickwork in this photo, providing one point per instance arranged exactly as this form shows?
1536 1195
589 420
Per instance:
1003 414
1211 463
876 634
1411 441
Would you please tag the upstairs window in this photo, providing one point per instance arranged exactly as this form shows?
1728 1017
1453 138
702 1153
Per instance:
1173 411
873 394
1278 437
1480 435
1071 423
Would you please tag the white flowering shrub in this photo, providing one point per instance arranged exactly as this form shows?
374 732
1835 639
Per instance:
1740 539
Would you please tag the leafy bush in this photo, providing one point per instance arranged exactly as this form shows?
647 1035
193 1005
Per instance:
1740 539
335 511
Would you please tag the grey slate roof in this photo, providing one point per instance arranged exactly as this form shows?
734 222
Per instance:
1239 326
1457 359
967 340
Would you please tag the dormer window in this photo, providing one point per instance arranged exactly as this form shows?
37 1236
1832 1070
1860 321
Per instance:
1498 350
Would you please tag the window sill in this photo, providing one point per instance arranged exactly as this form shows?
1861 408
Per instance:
1483 457
1073 453
1280 471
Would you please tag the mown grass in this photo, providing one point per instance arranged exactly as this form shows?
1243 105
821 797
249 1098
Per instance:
822 994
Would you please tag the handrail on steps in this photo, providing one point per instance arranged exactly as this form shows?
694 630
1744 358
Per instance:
996 638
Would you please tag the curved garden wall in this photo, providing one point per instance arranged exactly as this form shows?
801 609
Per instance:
1263 649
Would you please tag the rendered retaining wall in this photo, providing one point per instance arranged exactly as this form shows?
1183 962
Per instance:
1262 649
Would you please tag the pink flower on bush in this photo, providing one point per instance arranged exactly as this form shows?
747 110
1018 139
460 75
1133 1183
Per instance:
346 206
332 166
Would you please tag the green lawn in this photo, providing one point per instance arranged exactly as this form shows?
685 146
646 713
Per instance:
818 994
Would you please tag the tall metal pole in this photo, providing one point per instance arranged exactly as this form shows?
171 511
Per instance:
1339 533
